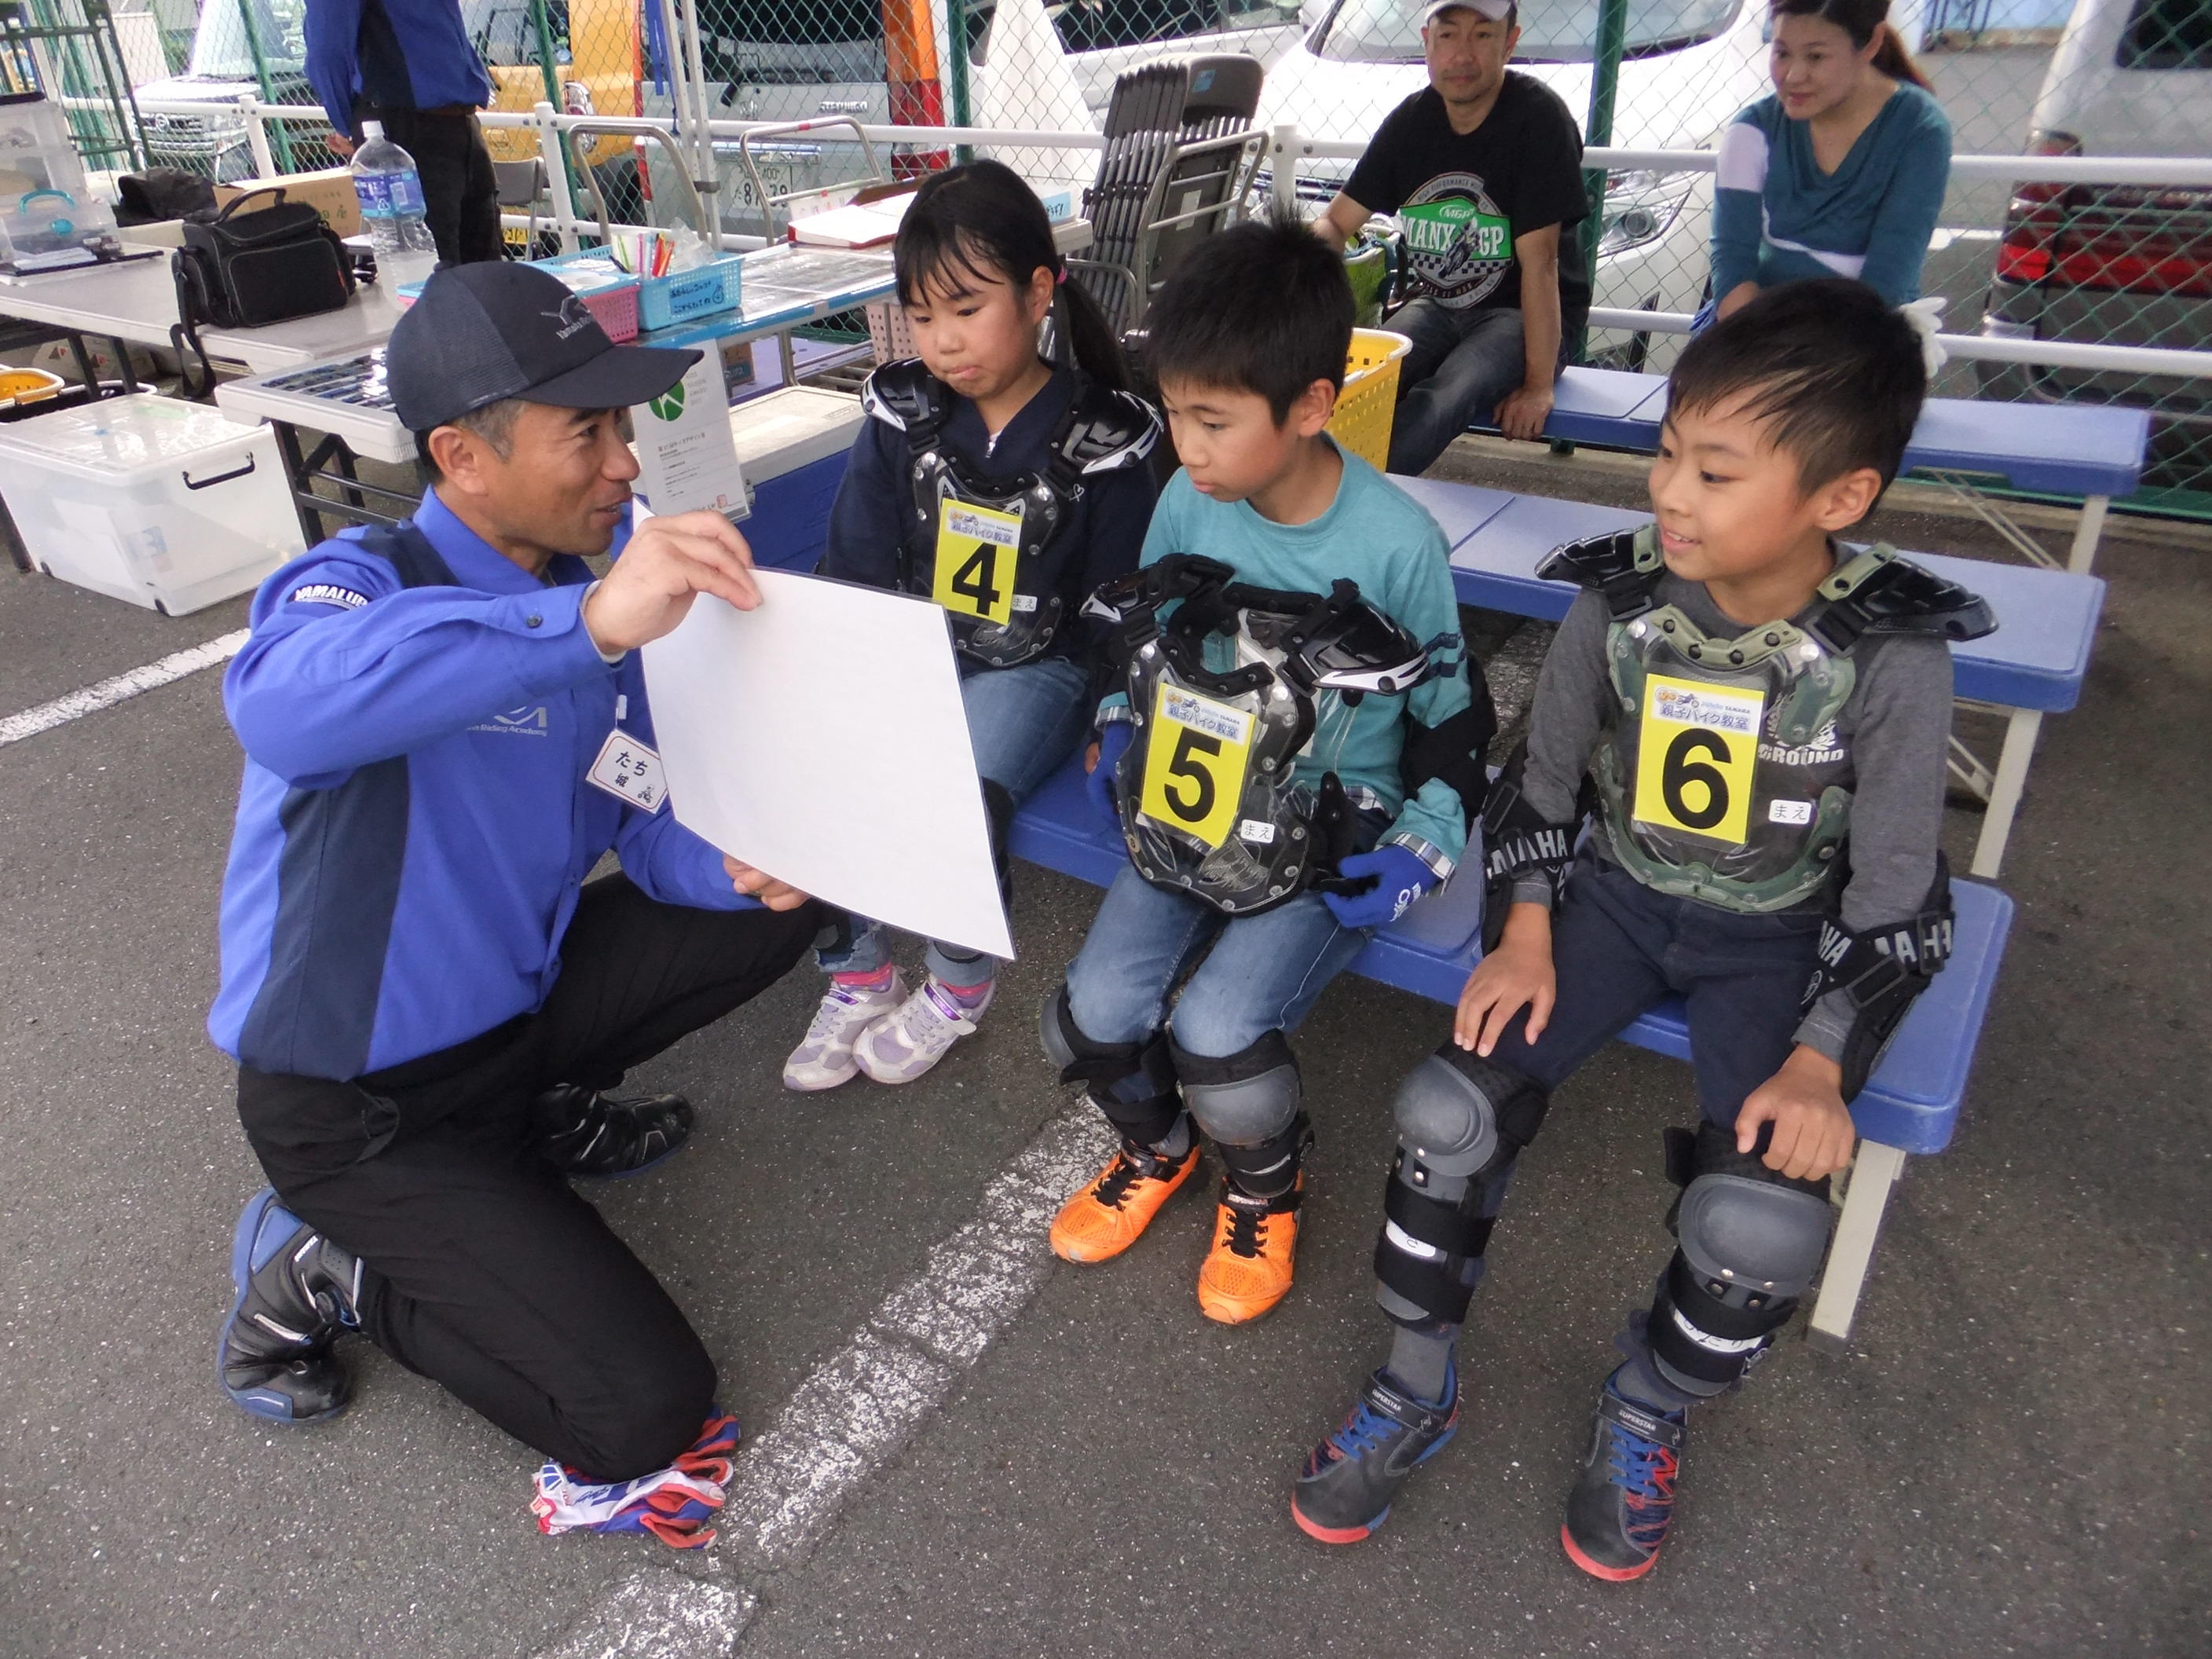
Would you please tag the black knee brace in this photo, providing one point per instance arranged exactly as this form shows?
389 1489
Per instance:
1134 1084
1749 1243
1462 1122
1248 1104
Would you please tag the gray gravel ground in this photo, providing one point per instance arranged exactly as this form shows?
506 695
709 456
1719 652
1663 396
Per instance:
2012 1461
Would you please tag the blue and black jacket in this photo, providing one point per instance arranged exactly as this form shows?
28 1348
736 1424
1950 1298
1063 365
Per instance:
419 715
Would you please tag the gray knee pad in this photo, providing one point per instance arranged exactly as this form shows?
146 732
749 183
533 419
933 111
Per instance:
1462 1122
1134 1084
1247 1105
1748 1243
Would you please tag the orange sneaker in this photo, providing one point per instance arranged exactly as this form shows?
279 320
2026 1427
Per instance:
1247 1271
1112 1213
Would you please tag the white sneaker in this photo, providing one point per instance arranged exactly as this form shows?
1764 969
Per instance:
906 1042
824 1058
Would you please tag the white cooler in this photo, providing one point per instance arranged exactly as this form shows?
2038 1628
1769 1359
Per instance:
166 504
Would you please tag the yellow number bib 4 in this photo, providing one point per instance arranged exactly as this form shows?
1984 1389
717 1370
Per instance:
975 553
1194 762
1696 750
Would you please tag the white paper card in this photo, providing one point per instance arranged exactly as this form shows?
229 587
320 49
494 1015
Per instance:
685 447
822 737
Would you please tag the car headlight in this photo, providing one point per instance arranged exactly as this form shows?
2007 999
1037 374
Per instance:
1640 207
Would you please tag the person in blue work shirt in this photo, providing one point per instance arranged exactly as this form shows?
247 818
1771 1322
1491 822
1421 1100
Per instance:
446 727
407 64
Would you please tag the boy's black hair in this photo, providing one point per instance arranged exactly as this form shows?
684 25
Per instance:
1833 371
1263 307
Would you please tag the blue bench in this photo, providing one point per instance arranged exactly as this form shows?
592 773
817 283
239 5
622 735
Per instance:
2032 666
1910 1105
2064 449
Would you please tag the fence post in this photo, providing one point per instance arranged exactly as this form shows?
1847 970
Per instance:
556 175
1282 170
1605 79
956 42
268 91
257 136
542 23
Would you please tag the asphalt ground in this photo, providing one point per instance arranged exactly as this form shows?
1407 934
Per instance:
2011 1460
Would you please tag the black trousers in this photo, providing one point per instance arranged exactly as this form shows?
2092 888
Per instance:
485 1272
460 197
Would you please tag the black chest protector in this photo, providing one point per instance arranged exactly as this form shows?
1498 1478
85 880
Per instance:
1208 803
1722 774
992 551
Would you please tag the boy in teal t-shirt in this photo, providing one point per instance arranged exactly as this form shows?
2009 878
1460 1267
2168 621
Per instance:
1293 759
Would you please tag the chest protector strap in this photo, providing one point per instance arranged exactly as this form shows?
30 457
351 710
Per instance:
1209 803
1008 597
1748 807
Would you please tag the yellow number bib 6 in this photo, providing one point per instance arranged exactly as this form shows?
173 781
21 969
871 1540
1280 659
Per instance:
1696 750
1194 763
975 553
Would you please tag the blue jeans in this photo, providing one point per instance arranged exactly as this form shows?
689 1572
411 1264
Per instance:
1263 974
1617 947
1461 364
1022 723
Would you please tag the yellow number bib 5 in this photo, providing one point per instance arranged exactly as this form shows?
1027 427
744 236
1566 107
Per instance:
1695 749
975 554
1195 763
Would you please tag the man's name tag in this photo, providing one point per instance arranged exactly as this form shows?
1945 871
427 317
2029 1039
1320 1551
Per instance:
629 771
1696 750
976 549
1195 763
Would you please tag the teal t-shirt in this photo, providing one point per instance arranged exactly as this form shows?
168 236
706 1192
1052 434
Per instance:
1377 536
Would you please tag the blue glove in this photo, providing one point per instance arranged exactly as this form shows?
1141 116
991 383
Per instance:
1399 879
1112 742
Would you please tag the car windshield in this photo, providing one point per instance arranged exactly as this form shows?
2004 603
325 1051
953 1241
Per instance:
1551 31
224 50
505 32
2167 34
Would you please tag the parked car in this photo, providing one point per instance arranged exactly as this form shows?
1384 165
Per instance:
2119 264
1689 65
1105 39
222 70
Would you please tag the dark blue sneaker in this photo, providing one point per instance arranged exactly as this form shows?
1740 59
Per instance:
296 1292
596 1137
1623 1502
1351 1480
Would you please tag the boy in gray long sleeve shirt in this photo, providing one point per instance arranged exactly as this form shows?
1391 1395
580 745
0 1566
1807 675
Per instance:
1761 718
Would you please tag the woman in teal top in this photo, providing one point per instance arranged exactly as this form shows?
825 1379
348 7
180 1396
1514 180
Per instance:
1841 171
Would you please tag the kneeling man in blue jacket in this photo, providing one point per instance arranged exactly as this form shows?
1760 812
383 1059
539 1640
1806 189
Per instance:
446 727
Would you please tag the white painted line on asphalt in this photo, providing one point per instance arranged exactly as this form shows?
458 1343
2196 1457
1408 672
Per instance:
93 698
857 1408
655 1614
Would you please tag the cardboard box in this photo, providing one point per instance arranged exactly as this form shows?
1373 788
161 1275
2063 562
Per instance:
330 192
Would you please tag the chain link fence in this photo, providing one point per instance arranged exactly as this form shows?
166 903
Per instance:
2082 264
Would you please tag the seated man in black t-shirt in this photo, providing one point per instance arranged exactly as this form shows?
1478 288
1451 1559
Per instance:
1483 172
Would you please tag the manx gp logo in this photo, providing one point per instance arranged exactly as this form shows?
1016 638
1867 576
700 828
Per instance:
1460 245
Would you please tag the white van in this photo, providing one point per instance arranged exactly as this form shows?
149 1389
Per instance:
1689 66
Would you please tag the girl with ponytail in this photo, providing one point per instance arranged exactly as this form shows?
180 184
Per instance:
1841 171
1005 486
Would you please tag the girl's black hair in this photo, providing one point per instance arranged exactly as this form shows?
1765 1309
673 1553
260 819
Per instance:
982 221
1861 20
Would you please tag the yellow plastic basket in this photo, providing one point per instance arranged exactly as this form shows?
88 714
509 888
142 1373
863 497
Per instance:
1368 403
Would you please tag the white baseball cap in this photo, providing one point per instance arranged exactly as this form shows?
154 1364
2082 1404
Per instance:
1496 11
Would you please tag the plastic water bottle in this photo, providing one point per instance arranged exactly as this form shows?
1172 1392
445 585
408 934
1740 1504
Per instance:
391 193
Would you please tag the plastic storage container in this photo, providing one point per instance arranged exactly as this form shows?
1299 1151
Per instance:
164 503
681 296
1369 403
50 218
609 292
792 444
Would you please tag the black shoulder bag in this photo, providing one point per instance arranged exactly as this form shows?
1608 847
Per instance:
247 269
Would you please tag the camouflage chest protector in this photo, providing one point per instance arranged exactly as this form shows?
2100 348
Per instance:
984 549
1719 777
1207 801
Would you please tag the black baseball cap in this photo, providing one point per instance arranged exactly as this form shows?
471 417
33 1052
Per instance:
483 333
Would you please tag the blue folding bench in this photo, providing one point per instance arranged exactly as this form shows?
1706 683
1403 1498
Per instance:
1911 1104
2061 449
2032 666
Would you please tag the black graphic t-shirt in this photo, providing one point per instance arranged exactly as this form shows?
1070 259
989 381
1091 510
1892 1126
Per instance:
1461 198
